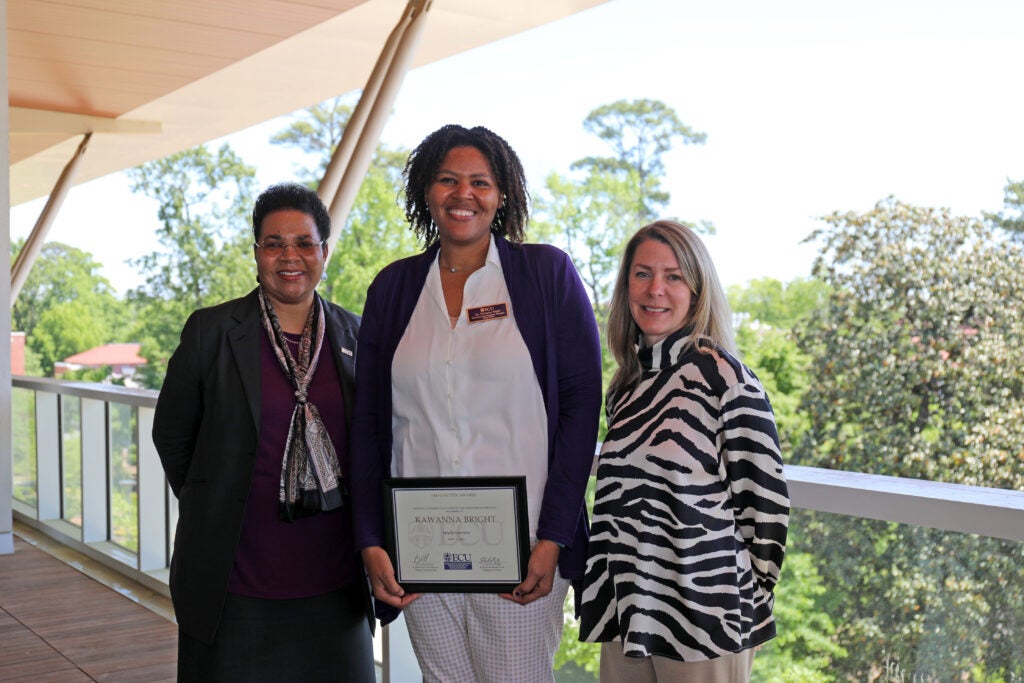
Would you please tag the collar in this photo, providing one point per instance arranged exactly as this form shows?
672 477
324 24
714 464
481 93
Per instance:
492 258
666 352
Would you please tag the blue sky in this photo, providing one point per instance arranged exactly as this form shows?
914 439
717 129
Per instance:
809 108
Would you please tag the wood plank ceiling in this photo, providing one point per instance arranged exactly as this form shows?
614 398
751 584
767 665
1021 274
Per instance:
152 77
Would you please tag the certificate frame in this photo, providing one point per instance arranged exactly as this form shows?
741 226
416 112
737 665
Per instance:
457 534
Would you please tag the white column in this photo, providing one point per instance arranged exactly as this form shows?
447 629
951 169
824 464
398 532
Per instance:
6 457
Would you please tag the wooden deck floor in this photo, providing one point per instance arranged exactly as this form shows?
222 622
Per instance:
57 624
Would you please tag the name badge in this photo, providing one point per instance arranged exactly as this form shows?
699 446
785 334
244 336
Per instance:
482 314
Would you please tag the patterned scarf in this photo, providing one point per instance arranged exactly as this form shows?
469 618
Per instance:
310 472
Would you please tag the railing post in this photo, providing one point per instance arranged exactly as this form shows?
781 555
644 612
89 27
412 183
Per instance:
152 498
94 471
399 659
48 483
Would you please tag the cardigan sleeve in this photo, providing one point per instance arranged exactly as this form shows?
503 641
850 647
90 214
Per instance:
367 463
577 374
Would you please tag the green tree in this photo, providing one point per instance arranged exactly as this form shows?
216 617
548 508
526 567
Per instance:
783 305
592 212
915 361
316 131
804 650
66 329
376 232
1011 218
639 132
768 312
65 306
205 200
590 218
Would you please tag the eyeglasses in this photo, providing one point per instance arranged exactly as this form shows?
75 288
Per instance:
302 247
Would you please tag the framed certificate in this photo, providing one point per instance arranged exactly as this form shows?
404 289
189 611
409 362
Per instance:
457 534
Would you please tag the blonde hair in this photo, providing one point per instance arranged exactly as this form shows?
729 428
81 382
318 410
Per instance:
710 315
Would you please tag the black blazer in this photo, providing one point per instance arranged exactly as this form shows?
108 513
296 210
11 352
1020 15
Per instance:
205 430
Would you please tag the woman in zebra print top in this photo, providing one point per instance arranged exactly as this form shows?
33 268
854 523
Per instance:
691 514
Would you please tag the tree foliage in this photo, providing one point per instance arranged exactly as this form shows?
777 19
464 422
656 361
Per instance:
915 363
593 211
376 232
316 131
1011 218
639 133
205 199
804 650
782 305
591 219
767 313
65 306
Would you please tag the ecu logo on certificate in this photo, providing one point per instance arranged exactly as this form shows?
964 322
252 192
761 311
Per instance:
457 534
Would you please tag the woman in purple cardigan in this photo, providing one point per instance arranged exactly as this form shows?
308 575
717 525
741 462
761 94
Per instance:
443 390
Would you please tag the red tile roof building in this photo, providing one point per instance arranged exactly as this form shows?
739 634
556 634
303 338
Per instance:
122 359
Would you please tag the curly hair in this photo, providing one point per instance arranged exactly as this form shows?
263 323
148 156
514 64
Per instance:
290 196
424 162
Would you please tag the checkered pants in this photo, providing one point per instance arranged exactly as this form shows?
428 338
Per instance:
481 638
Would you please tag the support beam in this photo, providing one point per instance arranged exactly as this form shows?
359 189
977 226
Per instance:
329 184
410 30
34 243
41 122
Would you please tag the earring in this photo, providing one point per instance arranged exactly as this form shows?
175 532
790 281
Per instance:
323 276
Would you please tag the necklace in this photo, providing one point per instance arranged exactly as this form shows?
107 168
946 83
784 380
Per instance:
453 269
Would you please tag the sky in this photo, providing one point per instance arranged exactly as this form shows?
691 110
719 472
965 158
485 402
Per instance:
809 108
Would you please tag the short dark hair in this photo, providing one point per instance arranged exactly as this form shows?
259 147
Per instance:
426 159
290 196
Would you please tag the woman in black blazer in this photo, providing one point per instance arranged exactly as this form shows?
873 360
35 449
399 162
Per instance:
252 429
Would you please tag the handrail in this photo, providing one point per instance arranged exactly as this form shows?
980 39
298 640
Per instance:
111 393
997 513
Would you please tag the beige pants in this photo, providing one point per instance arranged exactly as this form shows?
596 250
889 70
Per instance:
617 668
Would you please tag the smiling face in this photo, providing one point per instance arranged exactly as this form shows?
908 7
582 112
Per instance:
659 298
463 198
289 278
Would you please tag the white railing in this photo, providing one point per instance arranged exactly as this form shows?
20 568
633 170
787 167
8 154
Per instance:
111 428
995 513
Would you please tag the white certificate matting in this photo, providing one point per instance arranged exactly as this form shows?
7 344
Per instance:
458 534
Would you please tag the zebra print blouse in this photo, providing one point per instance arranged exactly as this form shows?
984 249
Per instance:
691 512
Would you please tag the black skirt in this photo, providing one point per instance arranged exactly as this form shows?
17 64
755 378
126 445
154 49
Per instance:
323 638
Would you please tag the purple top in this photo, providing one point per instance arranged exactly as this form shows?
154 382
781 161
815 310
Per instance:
312 555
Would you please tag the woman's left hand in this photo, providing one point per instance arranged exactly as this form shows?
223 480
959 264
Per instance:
540 574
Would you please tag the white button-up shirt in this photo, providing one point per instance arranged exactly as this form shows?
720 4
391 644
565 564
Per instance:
466 398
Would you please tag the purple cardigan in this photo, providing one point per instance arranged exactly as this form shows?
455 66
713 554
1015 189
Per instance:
557 323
